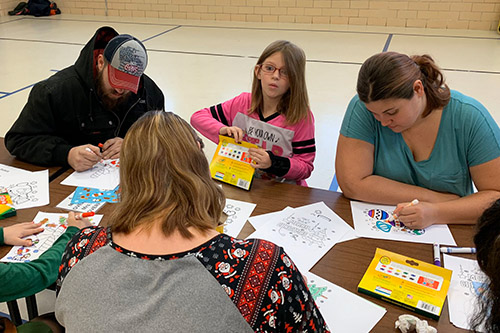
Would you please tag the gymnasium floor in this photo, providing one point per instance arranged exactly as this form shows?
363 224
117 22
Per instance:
201 63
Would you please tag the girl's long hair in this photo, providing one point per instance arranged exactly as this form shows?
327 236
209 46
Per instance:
294 104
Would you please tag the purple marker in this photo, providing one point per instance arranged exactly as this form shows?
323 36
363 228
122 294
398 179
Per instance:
437 255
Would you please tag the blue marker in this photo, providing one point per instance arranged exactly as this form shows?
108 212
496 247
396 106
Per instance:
446 249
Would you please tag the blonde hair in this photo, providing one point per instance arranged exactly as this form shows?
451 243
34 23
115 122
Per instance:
164 175
294 104
392 75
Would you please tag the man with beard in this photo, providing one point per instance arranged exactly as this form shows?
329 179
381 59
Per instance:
81 114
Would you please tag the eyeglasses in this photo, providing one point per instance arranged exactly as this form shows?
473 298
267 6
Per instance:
270 69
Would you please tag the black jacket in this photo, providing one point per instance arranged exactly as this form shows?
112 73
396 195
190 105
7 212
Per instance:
64 111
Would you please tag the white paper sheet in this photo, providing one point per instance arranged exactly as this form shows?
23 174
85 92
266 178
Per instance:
259 220
27 189
8 171
105 176
342 310
237 215
306 233
374 221
466 282
80 207
54 225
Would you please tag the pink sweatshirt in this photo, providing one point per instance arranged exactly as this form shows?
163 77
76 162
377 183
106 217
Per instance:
292 147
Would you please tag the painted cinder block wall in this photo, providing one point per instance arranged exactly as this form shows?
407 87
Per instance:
466 14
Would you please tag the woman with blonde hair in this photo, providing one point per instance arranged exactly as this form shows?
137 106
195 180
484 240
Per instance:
161 266
407 136
275 116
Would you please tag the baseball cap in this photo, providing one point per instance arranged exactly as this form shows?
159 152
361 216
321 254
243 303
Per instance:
127 60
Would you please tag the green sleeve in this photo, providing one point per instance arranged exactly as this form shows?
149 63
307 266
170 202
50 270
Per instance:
1 236
25 279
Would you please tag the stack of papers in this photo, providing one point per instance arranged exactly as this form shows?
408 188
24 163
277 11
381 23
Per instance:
306 233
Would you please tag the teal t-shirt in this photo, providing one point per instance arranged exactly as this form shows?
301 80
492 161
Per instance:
467 136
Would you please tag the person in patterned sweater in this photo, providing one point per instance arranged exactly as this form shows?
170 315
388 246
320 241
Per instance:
161 265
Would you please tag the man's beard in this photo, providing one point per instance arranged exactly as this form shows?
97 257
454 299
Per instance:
109 103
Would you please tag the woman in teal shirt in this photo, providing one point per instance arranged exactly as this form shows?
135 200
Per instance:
24 279
406 136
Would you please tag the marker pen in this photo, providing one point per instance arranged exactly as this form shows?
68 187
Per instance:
84 215
437 254
90 150
446 249
413 203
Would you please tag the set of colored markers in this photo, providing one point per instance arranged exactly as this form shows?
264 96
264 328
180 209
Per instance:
445 249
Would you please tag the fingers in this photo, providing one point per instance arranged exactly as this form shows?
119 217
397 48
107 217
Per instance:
75 220
25 242
111 148
234 132
84 157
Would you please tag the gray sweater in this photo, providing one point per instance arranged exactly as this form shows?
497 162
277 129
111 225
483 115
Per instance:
126 294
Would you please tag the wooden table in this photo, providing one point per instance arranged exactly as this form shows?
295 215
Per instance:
343 265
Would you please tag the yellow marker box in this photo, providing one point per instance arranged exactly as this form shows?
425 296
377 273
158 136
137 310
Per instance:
413 284
232 164
6 206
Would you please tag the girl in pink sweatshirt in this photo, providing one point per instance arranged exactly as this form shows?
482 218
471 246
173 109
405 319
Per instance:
275 116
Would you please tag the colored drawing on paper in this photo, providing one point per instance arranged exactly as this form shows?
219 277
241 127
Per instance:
41 242
319 293
306 230
472 280
54 225
104 168
383 221
88 194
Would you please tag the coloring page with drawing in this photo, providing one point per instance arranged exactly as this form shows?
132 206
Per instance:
343 311
376 221
54 225
237 214
467 283
306 233
104 175
26 189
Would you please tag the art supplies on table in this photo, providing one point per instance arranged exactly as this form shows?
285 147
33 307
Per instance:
467 283
231 163
407 282
446 249
342 310
54 225
6 206
237 213
88 194
26 189
306 233
80 207
377 221
104 175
